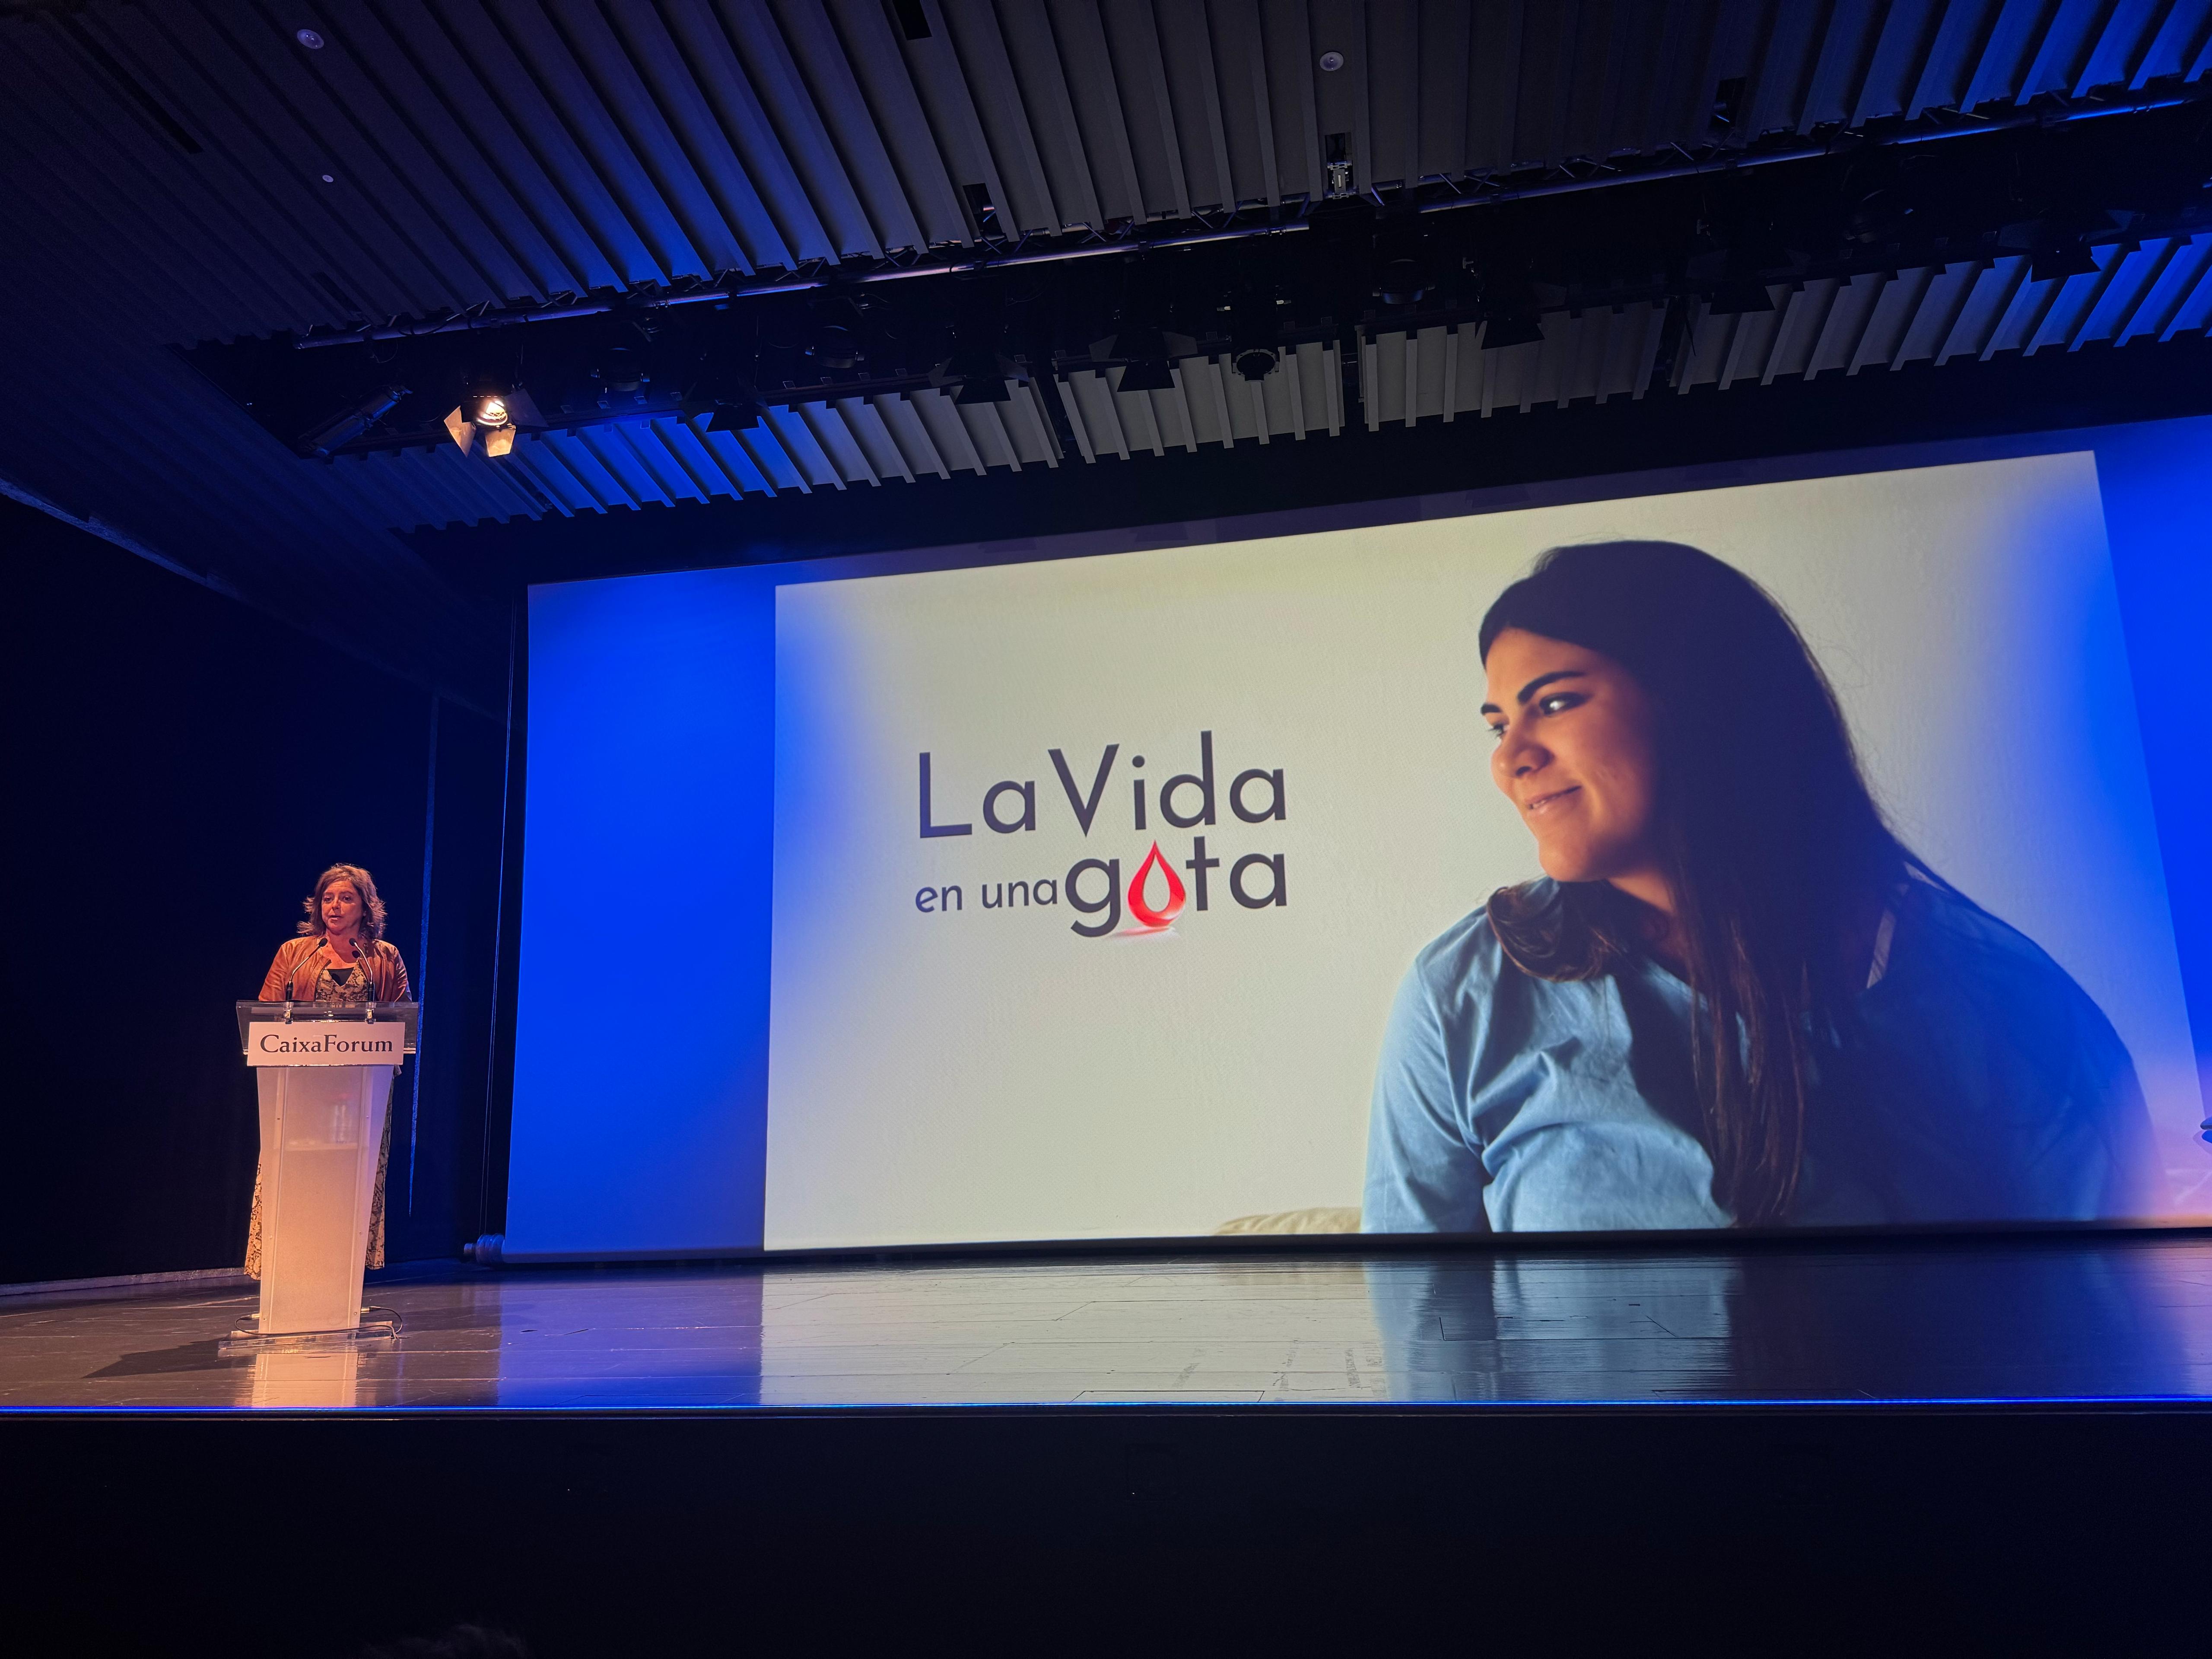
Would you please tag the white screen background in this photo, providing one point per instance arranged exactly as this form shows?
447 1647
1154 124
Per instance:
989 1075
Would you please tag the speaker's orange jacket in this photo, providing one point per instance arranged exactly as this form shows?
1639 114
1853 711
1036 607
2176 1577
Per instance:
299 961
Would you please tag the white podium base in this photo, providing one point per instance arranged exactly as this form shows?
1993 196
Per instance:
321 1127
376 1325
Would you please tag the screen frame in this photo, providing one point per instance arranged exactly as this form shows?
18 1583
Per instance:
2138 465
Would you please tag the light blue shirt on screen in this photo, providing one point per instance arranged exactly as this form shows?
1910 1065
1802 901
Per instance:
1983 1085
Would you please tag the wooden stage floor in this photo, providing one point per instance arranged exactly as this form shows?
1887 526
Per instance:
2051 1321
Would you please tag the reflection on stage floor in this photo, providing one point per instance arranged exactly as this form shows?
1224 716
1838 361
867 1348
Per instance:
2109 1319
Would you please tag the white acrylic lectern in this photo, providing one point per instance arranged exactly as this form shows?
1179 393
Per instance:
324 1073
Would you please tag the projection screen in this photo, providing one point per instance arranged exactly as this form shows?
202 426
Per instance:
1104 890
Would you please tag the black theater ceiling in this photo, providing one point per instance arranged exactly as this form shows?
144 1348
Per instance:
747 257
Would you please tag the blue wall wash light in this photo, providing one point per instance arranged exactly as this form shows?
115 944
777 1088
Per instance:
641 1027
2159 522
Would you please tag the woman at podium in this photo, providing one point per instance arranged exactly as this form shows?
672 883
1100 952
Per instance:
341 956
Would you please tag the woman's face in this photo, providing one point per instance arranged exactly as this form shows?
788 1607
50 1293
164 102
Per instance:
1577 754
340 907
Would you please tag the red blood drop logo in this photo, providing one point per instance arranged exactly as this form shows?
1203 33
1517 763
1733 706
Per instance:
1152 919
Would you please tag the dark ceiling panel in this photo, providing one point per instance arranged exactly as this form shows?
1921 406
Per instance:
1147 99
2183 46
298 207
650 97
268 110
163 163
487 140
897 121
1089 184
1094 100
1446 33
829 66
743 154
390 126
574 123
1010 136
1240 60
1290 64
801 127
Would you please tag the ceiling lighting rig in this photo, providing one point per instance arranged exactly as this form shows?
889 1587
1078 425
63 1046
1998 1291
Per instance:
496 412
1719 234
977 370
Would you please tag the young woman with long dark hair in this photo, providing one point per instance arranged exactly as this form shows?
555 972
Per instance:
1735 997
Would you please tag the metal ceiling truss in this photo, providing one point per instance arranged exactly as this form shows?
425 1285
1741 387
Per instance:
1924 267
1829 326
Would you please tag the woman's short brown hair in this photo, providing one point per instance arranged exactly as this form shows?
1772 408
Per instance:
371 906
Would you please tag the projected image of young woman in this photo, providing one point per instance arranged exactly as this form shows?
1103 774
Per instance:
1734 997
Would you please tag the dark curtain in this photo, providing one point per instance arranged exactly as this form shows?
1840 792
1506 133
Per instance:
179 768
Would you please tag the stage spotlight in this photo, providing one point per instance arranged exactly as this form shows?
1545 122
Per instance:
620 377
1151 375
1150 353
1734 299
837 348
736 412
1255 362
344 429
1401 282
495 413
979 328
982 374
1147 374
2063 259
1880 215
1254 307
462 429
1512 328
